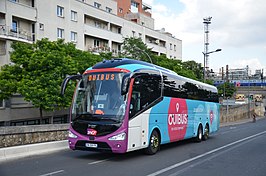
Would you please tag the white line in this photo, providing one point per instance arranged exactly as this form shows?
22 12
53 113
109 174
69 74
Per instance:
52 173
203 155
100 161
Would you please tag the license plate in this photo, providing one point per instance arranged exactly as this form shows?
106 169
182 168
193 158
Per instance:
91 145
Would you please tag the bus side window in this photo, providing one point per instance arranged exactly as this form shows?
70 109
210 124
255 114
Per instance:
146 89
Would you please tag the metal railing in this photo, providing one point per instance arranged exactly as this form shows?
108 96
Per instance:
18 33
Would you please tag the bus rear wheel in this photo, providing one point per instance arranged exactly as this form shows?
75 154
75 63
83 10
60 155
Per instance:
154 143
206 133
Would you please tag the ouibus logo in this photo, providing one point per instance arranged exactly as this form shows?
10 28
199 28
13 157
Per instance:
177 119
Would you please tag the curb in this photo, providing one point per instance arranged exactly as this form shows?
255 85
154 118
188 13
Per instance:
9 153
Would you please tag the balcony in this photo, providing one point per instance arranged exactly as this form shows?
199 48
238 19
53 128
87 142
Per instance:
21 10
95 31
18 34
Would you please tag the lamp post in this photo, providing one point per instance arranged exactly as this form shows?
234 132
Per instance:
204 64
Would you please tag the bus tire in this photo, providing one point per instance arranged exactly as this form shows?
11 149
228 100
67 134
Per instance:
206 133
154 143
199 134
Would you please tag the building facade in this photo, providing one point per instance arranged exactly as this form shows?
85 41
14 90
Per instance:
93 25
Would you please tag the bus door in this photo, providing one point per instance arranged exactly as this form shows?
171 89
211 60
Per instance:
146 91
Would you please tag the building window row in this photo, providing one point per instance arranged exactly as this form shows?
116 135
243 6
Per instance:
61 35
171 47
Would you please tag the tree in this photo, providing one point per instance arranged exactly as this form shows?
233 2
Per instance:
226 90
136 49
37 71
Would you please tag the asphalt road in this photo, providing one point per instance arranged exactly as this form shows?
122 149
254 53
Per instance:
234 150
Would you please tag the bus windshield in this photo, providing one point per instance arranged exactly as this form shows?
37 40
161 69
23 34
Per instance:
98 97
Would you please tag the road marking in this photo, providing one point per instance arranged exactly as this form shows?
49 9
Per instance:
205 154
100 161
52 173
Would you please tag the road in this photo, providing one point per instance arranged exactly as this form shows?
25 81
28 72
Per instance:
234 150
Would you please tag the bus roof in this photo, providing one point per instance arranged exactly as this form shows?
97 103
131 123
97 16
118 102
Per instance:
134 65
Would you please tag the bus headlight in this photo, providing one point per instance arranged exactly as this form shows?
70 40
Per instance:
119 137
71 135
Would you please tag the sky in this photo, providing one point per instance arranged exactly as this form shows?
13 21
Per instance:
238 27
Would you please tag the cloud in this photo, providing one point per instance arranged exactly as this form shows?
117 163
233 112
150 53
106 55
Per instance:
233 23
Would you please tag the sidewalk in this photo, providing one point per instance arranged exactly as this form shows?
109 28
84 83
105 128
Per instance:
239 121
9 153
15 152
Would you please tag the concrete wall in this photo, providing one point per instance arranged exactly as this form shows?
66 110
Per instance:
240 112
21 135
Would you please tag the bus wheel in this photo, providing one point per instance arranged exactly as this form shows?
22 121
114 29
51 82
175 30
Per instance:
206 133
154 143
199 134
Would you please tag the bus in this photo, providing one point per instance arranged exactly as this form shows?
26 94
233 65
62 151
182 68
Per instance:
122 105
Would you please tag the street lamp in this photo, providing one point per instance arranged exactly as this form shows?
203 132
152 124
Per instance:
204 64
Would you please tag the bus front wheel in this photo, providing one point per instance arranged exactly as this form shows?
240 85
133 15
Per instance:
154 143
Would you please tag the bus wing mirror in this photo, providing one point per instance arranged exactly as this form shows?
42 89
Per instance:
125 84
66 80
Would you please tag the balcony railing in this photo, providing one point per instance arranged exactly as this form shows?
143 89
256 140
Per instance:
99 49
17 33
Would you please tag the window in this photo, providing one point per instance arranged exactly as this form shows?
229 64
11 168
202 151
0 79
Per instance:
97 5
41 26
14 0
14 26
134 4
171 46
174 47
96 43
73 36
109 10
60 11
97 24
60 33
146 90
74 15
119 30
120 10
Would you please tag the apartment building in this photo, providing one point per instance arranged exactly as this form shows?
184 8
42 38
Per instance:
93 25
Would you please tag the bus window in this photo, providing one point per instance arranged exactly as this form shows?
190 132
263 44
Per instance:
146 89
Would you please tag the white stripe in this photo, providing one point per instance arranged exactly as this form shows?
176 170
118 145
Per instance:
52 173
203 155
100 161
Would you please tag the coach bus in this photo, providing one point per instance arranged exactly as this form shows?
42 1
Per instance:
122 105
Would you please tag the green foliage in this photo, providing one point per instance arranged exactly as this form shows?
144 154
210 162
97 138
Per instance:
226 90
37 71
136 49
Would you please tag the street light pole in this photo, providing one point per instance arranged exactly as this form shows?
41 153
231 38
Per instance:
204 64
